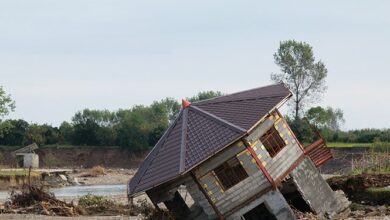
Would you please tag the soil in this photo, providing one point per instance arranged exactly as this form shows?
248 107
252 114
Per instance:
355 183
111 176
45 217
357 188
85 157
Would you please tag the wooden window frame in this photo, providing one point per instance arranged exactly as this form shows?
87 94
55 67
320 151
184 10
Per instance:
272 141
228 175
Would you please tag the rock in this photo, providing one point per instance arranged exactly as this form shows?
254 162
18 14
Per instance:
358 213
373 213
382 208
370 209
63 177
45 212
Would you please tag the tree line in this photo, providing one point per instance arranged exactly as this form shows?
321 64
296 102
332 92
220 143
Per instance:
136 128
140 127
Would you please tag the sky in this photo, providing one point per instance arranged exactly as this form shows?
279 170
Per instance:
59 57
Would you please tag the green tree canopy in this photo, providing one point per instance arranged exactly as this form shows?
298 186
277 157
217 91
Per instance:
204 95
7 105
301 73
326 118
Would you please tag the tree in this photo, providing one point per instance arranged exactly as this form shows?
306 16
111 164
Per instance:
35 134
66 133
142 126
301 73
94 127
172 107
328 118
7 105
204 95
16 133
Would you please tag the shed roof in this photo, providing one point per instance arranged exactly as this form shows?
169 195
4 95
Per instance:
201 130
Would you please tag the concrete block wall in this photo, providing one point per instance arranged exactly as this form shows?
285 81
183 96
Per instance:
275 203
226 200
31 160
286 157
315 190
200 199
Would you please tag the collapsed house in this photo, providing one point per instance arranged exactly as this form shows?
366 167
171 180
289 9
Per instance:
237 158
26 157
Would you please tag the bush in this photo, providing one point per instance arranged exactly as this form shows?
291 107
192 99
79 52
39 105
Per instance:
91 200
97 171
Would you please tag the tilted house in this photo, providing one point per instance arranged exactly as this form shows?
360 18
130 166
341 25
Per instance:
237 158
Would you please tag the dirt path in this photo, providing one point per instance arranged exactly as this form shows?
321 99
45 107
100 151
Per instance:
111 176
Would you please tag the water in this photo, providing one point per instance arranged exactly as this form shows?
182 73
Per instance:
77 191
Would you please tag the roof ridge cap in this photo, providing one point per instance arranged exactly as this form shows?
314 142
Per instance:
242 99
183 145
218 119
234 93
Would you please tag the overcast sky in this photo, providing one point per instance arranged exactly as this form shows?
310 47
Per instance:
58 57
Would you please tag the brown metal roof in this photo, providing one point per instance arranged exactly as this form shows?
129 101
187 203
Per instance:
203 129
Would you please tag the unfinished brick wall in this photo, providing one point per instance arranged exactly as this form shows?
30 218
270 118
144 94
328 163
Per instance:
200 199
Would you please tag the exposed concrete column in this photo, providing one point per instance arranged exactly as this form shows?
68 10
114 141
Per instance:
177 206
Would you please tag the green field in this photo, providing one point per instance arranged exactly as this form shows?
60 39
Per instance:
17 172
340 144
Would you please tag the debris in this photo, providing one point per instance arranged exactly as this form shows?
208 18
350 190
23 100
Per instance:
63 177
34 200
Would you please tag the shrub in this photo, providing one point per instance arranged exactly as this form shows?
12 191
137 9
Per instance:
91 200
97 171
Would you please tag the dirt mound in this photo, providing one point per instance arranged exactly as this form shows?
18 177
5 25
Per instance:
365 189
356 183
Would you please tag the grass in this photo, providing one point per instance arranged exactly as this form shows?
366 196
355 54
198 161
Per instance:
56 146
377 195
9 148
340 144
69 146
17 173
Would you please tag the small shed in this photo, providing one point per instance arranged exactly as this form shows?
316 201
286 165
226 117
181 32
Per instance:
26 157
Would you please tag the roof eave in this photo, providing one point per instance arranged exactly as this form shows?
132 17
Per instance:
270 111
